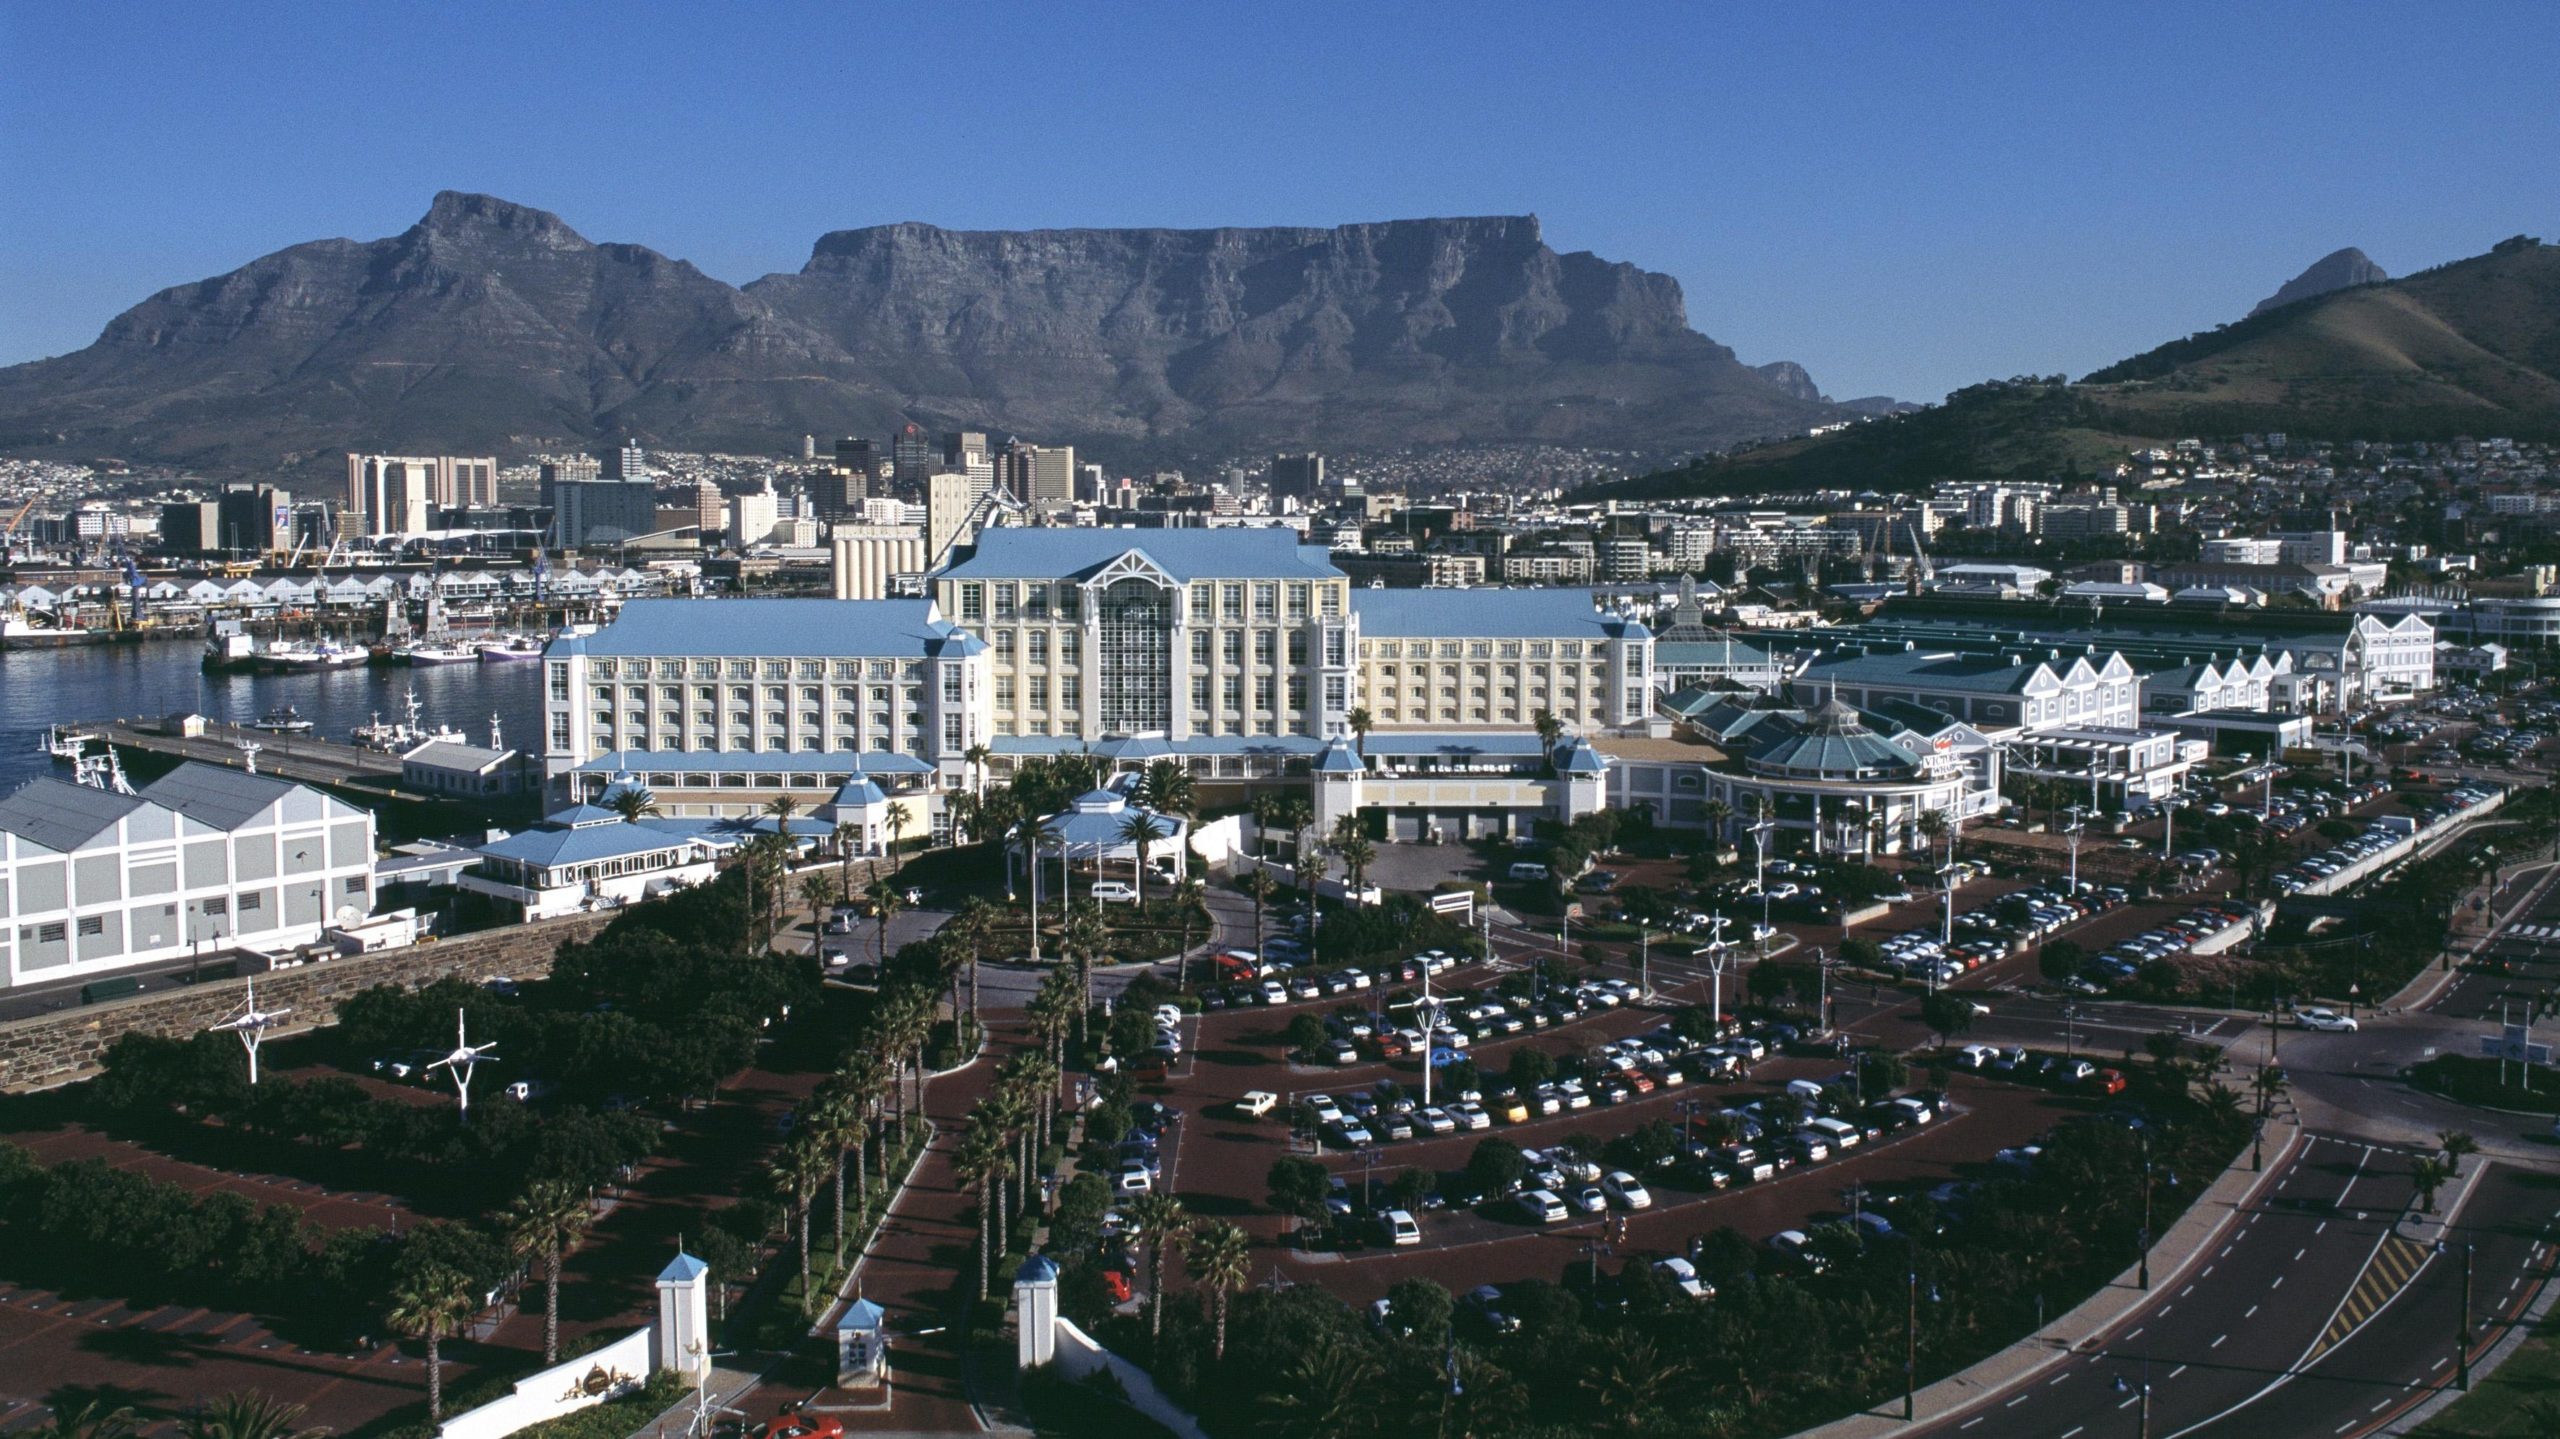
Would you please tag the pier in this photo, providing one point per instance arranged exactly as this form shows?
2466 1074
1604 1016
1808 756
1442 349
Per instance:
359 773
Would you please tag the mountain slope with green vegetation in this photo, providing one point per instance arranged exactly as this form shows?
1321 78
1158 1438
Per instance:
2469 348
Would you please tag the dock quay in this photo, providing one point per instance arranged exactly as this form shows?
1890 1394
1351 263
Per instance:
286 756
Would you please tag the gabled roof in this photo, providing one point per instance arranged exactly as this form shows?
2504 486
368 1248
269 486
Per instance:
215 796
1258 553
1926 669
683 1269
60 815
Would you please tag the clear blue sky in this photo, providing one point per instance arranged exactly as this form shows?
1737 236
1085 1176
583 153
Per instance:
1903 197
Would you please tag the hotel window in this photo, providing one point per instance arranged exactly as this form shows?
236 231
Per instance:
1199 604
1070 647
1540 650
883 670
813 669
1265 690
1264 646
848 669
777 669
1070 599
951 685
1070 693
1266 601
973 601
1039 647
1333 641
1005 594
1004 692
1298 692
1331 602
670 693
810 694
1335 698
1231 647
951 733
1004 646
848 694
1200 647
706 669
742 669
605 669
1200 694
1231 602
846 720
880 695
560 682
1231 692
604 694
775 694
1297 602
1448 649
1511 649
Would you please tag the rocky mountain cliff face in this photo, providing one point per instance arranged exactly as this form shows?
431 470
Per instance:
2336 270
488 325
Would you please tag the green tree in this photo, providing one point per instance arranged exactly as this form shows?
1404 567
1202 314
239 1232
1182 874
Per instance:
1306 1034
2060 959
1361 723
1530 1067
797 1173
1946 1015
1298 1187
898 817
544 1223
432 1302
2457 1147
1163 1224
90 1419
1220 1258
245 1414
631 801
1420 1308
1141 831
983 1160
1496 1166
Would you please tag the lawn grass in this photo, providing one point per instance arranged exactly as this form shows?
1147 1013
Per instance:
2506 1403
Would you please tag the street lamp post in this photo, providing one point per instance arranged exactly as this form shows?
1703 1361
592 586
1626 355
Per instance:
2462 1322
2073 835
2144 1262
2070 1031
1760 874
1910 1338
1716 961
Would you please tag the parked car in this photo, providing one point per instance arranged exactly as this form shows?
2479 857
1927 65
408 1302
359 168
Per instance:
2327 1020
1112 891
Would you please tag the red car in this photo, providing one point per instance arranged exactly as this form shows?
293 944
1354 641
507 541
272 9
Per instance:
1114 1283
792 1424
2109 1081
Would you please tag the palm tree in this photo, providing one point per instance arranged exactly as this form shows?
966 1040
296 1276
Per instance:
1933 827
1258 884
885 902
848 834
977 756
898 817
631 801
1327 1389
1166 788
1361 723
964 809
797 1173
92 1419
820 891
782 809
833 1121
429 1303
1142 830
1628 1384
1550 731
1266 811
1718 814
1166 1224
1188 894
971 928
245 1414
544 1223
1354 850
2457 1145
983 1160
1220 1258
1083 939
2429 1175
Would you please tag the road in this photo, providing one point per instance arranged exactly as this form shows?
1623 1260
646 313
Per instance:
2212 1339
2318 1315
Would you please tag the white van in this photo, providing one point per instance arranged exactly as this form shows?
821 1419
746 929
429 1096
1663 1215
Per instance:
1528 869
1112 891
1543 1206
1401 1229
1841 1134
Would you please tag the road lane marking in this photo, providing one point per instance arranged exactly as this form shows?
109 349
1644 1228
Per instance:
2323 1229
2252 1314
2021 1399
2277 1283
1976 1419
2174 1373
2217 1343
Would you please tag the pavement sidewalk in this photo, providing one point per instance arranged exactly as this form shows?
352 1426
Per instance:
2195 1232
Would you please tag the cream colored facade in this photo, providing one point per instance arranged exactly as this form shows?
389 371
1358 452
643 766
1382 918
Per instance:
867 558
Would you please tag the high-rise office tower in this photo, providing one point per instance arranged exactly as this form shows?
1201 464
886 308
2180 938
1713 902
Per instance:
912 457
1040 474
1298 477
398 494
626 462
808 447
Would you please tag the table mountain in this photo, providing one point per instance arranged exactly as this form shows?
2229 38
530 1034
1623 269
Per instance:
2337 270
491 326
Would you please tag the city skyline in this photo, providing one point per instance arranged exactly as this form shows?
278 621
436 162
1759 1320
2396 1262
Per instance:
1827 187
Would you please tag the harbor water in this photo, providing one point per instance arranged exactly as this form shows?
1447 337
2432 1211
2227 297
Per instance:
148 681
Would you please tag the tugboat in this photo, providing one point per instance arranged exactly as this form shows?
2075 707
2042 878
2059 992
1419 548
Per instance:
436 652
283 719
401 737
231 649
318 655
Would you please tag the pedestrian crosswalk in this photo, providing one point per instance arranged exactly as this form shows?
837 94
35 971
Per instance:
2392 1267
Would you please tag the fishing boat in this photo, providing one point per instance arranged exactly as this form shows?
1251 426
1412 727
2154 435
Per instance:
303 658
231 649
402 736
436 652
283 719
509 648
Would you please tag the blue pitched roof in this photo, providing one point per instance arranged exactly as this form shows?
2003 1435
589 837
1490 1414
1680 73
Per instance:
1583 759
831 762
868 629
1260 553
684 1268
861 1315
1338 759
1147 746
550 848
1481 614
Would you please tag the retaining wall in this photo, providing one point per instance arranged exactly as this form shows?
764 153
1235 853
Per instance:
1080 1354
53 1049
565 1388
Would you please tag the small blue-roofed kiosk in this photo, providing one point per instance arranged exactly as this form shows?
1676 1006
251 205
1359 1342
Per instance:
862 1346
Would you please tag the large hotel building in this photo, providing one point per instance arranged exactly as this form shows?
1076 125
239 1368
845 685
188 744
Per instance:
1243 651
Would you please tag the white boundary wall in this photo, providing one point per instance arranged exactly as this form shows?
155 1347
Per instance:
560 1389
